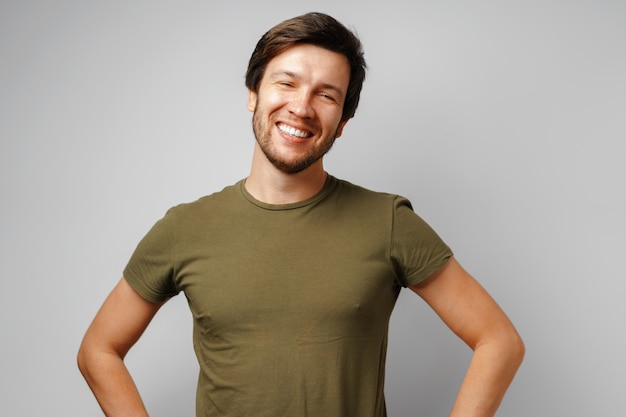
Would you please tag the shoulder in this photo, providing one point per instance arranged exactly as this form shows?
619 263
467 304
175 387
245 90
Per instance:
225 197
359 202
348 188
207 209
363 195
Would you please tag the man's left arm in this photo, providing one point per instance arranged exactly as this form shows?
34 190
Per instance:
471 313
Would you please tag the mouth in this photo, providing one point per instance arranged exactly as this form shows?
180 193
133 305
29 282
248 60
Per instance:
292 131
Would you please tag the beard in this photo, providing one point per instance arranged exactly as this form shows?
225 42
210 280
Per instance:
264 138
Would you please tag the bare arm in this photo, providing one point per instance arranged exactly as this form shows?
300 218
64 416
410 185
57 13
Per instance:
474 316
120 322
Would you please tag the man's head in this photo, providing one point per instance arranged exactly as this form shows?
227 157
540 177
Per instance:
316 29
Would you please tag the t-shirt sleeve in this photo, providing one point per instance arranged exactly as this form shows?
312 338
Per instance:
417 251
151 269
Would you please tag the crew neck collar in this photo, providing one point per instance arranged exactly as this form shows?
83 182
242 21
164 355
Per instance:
321 194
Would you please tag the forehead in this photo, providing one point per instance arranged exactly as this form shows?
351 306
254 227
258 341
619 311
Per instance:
312 64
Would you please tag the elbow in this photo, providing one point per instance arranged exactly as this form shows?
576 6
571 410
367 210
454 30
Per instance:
95 359
518 348
513 347
82 360
506 345
88 359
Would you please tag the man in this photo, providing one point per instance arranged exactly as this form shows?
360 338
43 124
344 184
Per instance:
291 274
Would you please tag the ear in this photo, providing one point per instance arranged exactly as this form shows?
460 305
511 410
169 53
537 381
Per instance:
342 124
252 99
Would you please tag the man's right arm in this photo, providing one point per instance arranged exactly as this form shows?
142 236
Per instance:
120 322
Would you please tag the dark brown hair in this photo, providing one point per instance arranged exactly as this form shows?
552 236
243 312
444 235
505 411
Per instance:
316 29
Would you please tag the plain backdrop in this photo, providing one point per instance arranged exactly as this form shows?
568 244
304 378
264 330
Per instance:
503 121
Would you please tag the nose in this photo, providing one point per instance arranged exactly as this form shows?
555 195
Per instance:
301 105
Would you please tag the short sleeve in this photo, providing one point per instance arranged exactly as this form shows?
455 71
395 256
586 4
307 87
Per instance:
417 251
151 269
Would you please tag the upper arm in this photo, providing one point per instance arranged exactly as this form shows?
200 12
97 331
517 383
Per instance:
464 305
120 322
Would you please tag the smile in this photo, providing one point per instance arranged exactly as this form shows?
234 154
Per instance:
293 131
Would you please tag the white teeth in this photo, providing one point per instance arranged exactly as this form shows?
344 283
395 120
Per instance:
293 131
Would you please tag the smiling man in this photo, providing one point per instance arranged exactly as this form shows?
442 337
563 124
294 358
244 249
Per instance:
301 95
292 274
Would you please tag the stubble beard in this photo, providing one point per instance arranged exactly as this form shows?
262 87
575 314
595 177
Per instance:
264 139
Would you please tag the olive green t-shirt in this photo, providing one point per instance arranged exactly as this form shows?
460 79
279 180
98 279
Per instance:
290 303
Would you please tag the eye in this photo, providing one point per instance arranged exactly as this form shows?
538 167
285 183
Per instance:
328 97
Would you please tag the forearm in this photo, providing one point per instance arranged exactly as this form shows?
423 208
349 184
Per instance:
112 385
490 373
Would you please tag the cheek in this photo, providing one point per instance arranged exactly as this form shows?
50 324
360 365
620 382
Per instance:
273 100
262 100
332 120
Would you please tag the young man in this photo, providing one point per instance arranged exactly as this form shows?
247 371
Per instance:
292 274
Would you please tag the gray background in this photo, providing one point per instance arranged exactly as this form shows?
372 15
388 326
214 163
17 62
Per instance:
503 121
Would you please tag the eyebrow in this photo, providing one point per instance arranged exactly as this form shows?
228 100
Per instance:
277 74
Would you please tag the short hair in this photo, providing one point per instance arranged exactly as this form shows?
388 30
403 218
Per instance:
317 29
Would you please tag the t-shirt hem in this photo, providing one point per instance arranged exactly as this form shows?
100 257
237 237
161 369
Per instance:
145 293
429 271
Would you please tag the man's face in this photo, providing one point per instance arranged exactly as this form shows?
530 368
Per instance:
298 106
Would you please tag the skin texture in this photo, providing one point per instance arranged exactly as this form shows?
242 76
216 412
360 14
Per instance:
120 322
304 88
470 312
300 91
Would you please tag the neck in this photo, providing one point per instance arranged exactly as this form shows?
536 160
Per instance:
272 186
